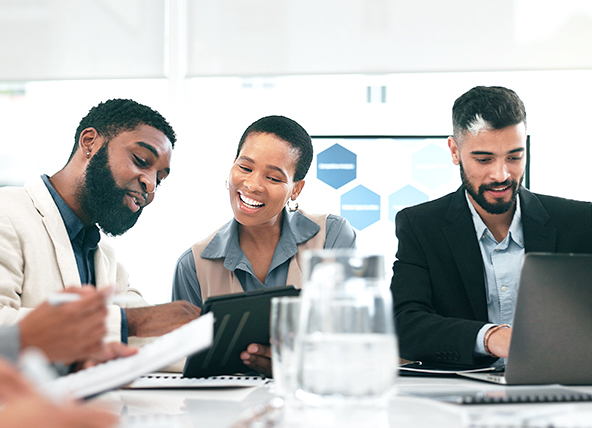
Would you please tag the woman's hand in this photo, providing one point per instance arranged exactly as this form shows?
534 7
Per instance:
258 357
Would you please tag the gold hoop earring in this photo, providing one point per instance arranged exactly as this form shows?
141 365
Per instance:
292 208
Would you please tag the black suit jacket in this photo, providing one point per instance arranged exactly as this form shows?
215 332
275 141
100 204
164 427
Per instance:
438 281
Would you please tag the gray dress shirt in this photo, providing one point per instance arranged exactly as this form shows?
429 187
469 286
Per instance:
10 342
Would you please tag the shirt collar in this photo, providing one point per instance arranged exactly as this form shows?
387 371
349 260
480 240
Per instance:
296 229
515 232
74 225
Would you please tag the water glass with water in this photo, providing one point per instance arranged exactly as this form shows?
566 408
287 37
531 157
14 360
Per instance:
285 316
347 348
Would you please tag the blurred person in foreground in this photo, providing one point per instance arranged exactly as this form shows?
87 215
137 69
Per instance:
21 406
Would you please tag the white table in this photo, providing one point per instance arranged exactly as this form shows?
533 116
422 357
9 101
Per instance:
233 407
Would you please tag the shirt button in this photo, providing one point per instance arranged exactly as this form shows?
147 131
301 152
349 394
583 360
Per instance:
504 288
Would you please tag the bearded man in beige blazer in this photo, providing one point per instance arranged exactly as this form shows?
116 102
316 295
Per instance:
49 229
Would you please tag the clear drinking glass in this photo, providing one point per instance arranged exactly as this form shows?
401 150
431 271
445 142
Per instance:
347 348
285 316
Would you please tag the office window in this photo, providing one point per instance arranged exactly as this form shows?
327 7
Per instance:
72 39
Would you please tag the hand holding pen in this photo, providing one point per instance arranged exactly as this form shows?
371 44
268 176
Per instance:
68 327
70 331
57 299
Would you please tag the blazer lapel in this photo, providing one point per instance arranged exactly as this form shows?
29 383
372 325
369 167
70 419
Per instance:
52 220
103 274
462 239
537 236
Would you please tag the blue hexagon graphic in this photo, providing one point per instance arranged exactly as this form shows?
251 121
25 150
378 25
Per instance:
404 197
432 166
361 207
336 166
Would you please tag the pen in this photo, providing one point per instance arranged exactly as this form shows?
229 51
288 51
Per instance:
57 299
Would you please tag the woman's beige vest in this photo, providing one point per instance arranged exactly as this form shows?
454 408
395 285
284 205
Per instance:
214 279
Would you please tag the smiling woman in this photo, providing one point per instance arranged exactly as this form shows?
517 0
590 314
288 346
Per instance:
261 182
259 248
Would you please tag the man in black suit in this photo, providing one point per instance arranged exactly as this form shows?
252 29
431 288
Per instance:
459 257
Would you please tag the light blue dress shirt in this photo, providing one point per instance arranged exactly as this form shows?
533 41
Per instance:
296 229
502 262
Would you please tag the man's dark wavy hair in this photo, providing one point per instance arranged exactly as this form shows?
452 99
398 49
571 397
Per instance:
112 117
498 106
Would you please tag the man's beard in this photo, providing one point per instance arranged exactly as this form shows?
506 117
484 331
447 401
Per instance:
102 200
499 207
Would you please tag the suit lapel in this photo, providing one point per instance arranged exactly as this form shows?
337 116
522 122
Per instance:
537 236
461 237
52 220
102 269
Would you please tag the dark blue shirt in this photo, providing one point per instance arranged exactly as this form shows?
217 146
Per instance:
85 240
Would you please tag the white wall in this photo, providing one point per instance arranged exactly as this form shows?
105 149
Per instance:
81 39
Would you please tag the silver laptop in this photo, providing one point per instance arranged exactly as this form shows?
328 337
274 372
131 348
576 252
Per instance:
552 330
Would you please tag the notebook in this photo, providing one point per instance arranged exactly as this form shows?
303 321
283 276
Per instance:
552 330
175 381
164 350
241 319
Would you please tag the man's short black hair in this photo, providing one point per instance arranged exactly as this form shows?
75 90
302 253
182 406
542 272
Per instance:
497 106
112 117
289 131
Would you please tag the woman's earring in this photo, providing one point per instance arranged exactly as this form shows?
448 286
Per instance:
292 207
226 183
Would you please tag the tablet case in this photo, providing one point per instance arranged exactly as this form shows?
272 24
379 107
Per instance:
241 319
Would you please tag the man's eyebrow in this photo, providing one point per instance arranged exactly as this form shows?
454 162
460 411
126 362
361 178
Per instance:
479 152
149 147
154 152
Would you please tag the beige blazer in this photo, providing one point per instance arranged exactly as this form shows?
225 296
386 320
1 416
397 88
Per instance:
37 259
